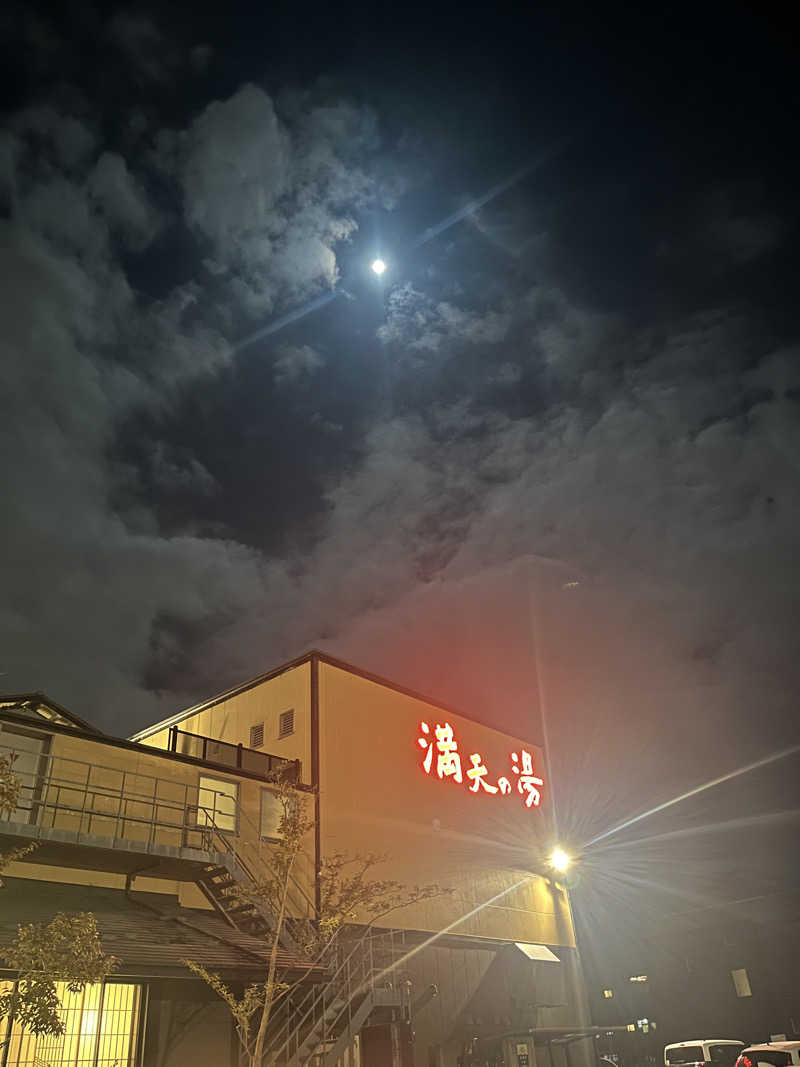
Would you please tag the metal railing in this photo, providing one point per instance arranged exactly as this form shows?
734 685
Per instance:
225 754
125 809
326 1018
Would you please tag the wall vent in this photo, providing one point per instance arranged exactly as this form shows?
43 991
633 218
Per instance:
286 723
257 735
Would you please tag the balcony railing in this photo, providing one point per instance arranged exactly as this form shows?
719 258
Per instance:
224 754
69 801
65 794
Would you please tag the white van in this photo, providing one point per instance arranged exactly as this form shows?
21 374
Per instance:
771 1054
718 1050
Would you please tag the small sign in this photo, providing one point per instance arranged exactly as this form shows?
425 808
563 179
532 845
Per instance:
522 1055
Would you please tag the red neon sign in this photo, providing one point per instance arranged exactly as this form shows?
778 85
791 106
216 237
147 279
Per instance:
442 756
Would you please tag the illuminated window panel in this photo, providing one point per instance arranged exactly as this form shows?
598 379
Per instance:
102 1024
216 801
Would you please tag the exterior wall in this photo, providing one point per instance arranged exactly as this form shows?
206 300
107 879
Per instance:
139 796
456 973
484 993
152 787
375 797
187 1023
230 719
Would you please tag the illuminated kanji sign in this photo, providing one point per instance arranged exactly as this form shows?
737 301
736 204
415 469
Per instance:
442 758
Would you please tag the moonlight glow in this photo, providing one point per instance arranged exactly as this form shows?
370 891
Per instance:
378 266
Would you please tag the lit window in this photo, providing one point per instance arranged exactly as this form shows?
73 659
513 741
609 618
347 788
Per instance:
257 735
286 723
741 983
271 812
608 993
102 1026
216 803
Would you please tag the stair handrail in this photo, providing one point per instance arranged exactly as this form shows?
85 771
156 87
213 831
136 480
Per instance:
361 959
236 844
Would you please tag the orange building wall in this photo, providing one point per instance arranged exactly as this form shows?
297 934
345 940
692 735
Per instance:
375 796
230 719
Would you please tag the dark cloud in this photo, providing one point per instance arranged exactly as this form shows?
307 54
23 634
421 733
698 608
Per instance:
564 432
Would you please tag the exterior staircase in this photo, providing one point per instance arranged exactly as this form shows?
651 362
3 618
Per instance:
221 890
244 861
318 1022
316 1028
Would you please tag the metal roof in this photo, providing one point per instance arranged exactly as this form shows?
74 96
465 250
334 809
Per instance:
41 706
148 932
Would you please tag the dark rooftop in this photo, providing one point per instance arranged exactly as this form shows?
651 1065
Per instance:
148 932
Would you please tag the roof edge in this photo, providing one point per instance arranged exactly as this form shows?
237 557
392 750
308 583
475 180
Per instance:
379 679
331 661
43 698
242 687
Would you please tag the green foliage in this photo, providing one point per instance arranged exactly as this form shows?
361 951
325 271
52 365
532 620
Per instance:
16 854
65 949
294 824
246 1009
349 895
10 786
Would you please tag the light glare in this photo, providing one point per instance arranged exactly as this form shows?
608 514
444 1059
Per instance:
378 266
559 860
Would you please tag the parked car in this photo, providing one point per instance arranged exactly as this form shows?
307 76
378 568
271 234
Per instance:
712 1050
770 1054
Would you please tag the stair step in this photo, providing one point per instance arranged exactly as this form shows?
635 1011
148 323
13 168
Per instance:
214 871
221 883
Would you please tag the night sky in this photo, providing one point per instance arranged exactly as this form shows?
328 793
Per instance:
562 428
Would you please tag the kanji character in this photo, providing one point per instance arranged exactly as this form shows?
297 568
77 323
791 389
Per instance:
425 742
504 786
528 781
477 773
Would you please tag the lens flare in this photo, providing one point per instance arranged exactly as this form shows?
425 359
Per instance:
559 860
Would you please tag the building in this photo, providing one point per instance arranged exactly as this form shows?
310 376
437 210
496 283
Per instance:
727 971
150 832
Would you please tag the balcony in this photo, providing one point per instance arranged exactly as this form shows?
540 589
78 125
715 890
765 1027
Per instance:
234 757
70 806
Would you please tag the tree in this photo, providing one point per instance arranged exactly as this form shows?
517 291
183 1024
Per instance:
16 854
10 789
347 895
67 949
10 785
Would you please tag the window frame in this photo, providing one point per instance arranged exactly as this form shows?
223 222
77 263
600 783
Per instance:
35 793
236 801
137 1031
261 835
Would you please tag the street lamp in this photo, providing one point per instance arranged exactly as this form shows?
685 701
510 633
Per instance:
559 860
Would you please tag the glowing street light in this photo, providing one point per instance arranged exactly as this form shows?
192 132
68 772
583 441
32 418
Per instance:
559 860
378 266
